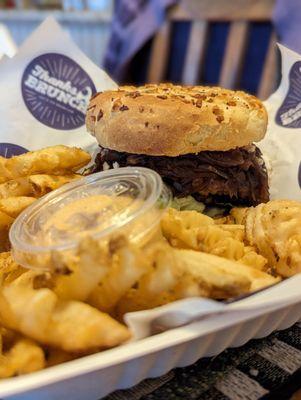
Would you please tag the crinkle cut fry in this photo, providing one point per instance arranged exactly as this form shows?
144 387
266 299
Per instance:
69 325
34 185
23 357
189 230
56 160
274 229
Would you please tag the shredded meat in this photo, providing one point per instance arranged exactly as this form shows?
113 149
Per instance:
236 176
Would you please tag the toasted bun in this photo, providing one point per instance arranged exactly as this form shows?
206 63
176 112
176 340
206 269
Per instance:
172 120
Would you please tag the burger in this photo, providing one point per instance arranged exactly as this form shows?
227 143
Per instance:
199 139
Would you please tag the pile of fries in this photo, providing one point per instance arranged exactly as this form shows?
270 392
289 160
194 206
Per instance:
29 176
48 318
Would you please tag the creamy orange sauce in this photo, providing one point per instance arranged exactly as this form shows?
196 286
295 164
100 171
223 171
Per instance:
86 215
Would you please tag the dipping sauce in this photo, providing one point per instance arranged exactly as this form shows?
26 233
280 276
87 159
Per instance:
124 200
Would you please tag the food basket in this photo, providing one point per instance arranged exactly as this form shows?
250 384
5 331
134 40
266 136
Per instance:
95 376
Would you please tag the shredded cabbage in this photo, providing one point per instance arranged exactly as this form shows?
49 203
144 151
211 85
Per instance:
214 212
187 203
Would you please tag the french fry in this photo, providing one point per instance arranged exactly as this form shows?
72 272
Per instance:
56 160
9 270
5 223
274 230
78 327
43 184
13 206
166 282
237 231
223 277
5 174
34 185
23 357
181 228
128 265
77 277
155 288
239 214
10 208
253 259
163 276
70 325
224 220
14 188
186 230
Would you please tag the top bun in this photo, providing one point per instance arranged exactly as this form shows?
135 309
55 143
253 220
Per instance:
170 120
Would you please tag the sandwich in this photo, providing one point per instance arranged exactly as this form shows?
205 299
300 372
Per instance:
199 139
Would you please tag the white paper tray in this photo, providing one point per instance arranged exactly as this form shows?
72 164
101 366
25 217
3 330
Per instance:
95 376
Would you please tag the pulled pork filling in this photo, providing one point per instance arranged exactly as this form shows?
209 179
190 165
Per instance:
237 177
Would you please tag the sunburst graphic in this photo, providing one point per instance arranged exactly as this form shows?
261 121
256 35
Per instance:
289 114
54 111
8 150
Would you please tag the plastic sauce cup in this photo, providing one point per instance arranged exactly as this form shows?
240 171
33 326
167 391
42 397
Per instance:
127 201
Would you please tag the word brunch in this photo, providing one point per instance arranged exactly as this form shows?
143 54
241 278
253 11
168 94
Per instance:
40 81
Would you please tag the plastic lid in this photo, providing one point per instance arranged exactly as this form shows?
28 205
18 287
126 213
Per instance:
96 205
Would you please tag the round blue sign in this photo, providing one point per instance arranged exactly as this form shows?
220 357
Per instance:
57 91
289 114
9 150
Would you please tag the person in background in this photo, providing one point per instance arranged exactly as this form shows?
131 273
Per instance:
287 21
134 23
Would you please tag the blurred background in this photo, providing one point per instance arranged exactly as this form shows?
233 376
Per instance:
226 42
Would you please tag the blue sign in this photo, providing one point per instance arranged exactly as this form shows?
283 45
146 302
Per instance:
9 150
289 114
57 91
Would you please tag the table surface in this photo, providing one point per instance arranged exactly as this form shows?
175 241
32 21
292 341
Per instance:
264 369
